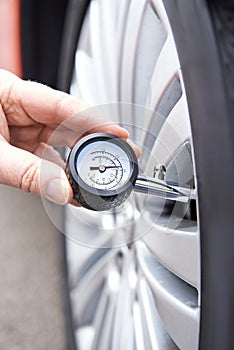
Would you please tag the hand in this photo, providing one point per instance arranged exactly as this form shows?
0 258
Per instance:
29 114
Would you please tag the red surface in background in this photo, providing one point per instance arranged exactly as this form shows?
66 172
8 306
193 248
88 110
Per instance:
10 50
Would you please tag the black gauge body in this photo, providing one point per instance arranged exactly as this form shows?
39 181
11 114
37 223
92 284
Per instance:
102 169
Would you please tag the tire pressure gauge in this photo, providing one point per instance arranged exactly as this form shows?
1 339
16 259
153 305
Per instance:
102 169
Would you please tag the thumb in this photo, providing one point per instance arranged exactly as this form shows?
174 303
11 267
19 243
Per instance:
22 169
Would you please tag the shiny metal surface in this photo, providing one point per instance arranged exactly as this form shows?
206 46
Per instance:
144 294
163 189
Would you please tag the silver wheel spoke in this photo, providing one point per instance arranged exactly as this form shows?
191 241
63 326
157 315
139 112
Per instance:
176 248
96 49
89 284
85 72
174 132
104 315
120 34
155 335
159 8
109 49
172 297
138 326
133 26
123 325
166 68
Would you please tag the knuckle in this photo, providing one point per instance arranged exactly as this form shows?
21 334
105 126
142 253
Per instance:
29 176
61 102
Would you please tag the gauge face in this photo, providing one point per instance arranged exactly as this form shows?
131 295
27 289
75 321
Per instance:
102 170
103 165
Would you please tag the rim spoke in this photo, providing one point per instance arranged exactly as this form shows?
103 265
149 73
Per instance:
88 286
84 337
133 26
155 335
159 8
172 296
174 246
104 315
138 327
97 49
165 69
109 49
120 34
84 73
173 133
123 332
147 52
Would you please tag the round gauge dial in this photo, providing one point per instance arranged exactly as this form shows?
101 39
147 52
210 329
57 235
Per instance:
103 165
102 169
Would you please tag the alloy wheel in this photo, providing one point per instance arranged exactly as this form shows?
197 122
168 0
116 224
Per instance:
146 294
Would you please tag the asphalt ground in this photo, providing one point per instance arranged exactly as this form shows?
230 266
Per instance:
32 311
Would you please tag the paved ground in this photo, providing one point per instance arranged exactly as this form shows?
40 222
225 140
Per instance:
31 282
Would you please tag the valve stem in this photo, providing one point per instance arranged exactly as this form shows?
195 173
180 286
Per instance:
161 188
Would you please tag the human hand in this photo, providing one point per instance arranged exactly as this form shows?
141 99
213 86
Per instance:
29 115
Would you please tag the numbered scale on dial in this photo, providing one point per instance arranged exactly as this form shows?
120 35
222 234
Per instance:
103 170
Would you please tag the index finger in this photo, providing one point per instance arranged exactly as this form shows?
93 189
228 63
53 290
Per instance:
48 106
34 102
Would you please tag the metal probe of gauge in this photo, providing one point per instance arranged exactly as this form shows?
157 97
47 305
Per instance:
103 170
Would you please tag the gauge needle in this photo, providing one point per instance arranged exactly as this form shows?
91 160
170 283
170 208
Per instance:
102 168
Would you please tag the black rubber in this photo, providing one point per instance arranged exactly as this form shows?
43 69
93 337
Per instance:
73 23
41 32
207 66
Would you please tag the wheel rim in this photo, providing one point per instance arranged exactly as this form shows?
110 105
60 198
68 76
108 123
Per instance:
145 295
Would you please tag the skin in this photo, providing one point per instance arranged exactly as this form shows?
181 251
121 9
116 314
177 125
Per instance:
30 114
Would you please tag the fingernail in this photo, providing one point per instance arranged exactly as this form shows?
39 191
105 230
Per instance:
58 191
123 131
136 149
126 131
